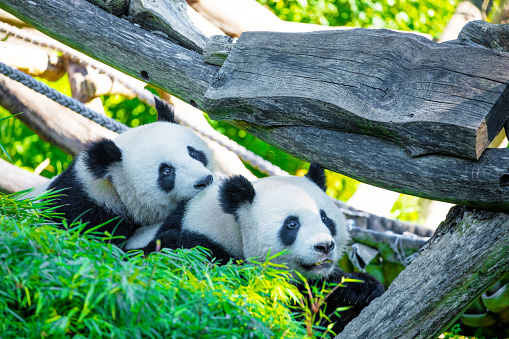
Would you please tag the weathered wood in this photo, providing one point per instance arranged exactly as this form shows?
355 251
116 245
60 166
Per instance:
217 49
115 7
116 42
45 116
431 293
425 96
484 34
14 179
376 161
34 61
168 17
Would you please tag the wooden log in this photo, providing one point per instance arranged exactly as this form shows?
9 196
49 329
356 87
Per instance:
45 116
427 97
168 17
236 16
115 7
483 183
118 43
34 61
14 179
486 35
467 254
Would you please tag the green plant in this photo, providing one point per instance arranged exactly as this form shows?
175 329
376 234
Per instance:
57 282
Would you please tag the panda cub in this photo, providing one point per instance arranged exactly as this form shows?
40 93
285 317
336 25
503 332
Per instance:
140 176
241 219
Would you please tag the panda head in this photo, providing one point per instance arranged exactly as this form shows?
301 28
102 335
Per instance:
146 171
288 213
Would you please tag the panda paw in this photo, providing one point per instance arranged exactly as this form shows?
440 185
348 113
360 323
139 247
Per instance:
361 293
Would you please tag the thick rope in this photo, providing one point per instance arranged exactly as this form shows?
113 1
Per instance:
63 100
144 95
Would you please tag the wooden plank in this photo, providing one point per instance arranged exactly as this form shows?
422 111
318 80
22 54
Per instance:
429 98
120 44
483 183
467 254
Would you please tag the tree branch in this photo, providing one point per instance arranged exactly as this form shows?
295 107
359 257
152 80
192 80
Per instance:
429 295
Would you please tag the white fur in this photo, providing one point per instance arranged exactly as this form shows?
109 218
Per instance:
142 237
131 187
256 230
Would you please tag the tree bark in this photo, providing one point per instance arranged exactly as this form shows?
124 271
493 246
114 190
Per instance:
45 116
116 42
397 86
430 294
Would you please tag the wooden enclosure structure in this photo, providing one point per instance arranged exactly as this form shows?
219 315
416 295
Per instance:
387 108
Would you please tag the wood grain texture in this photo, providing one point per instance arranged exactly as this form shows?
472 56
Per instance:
429 98
120 44
484 34
483 183
169 17
467 254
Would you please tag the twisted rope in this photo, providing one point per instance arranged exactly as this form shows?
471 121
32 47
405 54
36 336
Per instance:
63 100
143 94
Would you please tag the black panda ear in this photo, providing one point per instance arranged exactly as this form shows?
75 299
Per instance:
165 111
317 175
99 155
234 192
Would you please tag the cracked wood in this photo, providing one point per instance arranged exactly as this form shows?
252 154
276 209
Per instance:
427 97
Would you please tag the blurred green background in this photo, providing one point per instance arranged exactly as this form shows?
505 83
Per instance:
425 16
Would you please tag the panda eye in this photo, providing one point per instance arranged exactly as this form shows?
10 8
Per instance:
292 223
325 218
166 170
197 155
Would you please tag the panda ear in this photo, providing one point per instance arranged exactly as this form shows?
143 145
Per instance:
165 111
234 192
100 155
317 175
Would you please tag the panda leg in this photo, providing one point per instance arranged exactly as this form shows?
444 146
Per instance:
356 295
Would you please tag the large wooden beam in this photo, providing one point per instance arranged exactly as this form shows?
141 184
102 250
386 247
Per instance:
427 97
120 44
376 161
467 254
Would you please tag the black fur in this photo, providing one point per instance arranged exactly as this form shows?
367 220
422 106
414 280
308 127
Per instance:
75 201
166 178
317 175
169 231
165 111
358 295
328 222
99 155
234 192
172 236
198 155
288 232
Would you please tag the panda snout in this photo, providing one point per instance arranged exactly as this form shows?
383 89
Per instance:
324 247
204 182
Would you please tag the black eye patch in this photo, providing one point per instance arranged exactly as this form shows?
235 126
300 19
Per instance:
198 155
289 231
166 179
328 222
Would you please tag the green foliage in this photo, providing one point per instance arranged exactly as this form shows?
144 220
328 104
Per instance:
425 16
131 112
56 282
25 148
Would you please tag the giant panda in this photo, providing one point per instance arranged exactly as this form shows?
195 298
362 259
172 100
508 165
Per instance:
138 178
242 219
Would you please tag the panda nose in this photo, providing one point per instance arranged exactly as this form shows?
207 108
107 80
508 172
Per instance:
204 182
324 247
